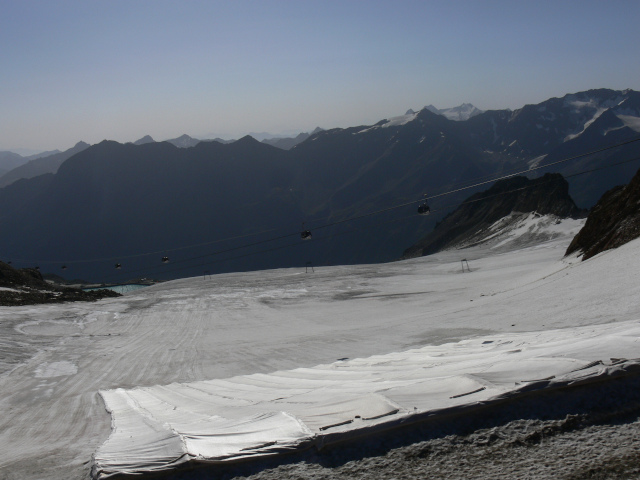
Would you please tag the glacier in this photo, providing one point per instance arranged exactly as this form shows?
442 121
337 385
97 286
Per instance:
249 365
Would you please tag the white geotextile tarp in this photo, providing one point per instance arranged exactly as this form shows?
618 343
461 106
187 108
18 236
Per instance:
156 428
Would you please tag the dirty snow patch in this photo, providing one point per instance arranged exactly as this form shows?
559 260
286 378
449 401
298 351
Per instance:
401 120
630 121
56 369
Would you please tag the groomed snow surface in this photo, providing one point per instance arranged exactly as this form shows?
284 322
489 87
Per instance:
247 366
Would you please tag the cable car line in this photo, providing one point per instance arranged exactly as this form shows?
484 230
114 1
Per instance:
449 192
538 167
444 207
375 212
413 216
354 230
281 247
513 172
338 222
146 254
219 252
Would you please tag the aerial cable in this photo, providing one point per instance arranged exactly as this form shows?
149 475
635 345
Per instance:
412 216
281 247
394 207
538 167
219 252
146 254
490 179
356 229
582 172
602 168
449 192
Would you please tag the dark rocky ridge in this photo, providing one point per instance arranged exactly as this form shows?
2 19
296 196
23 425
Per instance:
548 194
613 221
27 287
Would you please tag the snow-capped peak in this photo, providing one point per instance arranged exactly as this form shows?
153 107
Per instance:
400 120
459 114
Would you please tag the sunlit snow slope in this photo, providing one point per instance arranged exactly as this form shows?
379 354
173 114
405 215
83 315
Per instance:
250 364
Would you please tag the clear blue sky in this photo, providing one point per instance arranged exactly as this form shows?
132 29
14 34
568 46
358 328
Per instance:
89 70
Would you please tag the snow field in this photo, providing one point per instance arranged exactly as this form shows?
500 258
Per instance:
395 340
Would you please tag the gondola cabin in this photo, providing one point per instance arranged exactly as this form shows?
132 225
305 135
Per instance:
424 209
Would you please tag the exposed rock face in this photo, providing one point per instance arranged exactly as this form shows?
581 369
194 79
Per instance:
27 287
613 221
547 195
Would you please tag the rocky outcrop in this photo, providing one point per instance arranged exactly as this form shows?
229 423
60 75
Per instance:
465 226
27 287
612 222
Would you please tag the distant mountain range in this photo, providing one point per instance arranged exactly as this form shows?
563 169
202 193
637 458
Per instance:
40 164
113 201
9 161
14 166
287 143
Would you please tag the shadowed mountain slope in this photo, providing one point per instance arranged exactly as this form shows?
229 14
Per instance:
613 221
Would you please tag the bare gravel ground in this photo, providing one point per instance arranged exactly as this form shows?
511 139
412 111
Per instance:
573 434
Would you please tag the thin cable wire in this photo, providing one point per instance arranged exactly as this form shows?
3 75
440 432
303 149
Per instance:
449 192
289 245
350 219
356 229
146 254
582 172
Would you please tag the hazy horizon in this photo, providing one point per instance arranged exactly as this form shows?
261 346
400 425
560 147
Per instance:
121 70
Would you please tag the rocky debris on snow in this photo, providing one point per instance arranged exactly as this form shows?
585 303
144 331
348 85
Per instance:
26 286
509 201
612 222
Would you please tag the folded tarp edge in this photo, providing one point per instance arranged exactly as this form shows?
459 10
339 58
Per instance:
580 377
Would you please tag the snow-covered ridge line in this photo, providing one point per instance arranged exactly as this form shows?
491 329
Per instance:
530 228
457 114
